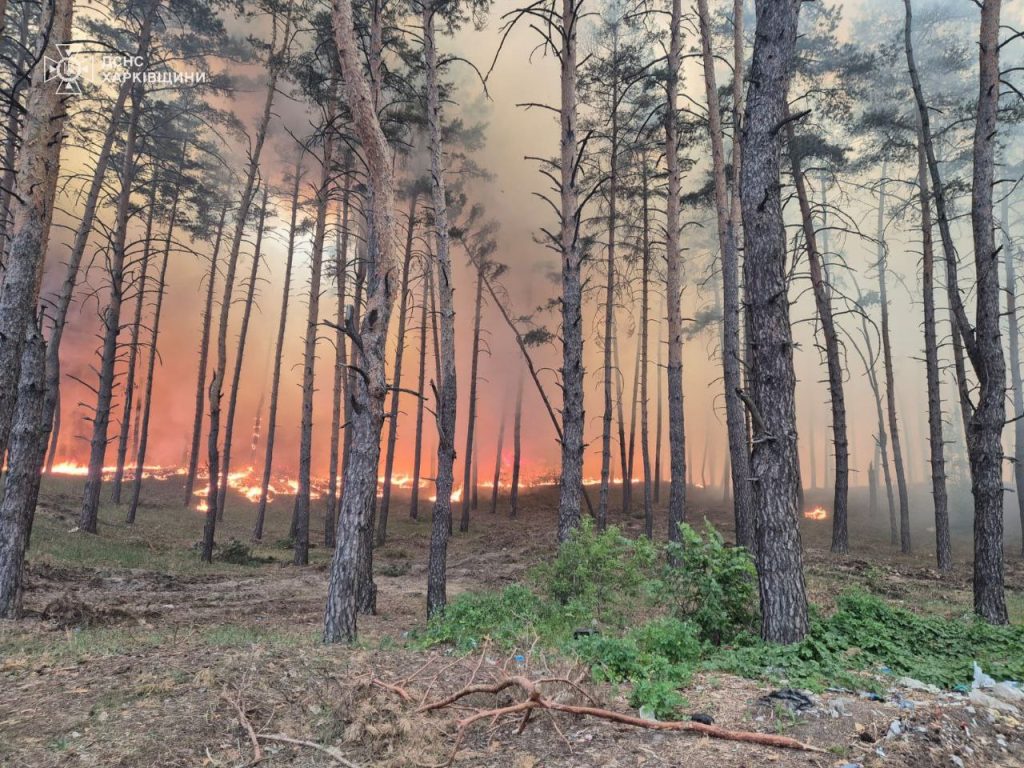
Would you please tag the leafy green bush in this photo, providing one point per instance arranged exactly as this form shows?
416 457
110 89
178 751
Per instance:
711 585
236 553
866 636
504 617
597 573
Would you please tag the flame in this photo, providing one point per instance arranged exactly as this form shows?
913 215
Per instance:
817 513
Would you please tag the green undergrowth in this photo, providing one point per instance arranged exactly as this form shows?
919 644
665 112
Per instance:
652 615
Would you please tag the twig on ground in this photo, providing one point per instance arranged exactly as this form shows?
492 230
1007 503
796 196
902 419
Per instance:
257 750
333 752
395 689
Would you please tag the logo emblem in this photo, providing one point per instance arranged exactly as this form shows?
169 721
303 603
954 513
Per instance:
64 70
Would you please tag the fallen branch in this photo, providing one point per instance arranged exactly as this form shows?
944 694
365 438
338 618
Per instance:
333 752
395 689
536 700
257 750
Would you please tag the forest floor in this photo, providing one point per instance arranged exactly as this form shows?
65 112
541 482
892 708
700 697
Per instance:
134 654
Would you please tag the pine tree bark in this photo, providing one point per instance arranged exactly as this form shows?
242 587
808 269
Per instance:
517 449
161 288
204 356
446 389
417 461
236 375
133 352
467 475
403 310
282 324
645 279
32 211
658 428
1017 385
340 391
21 486
739 458
936 441
834 363
497 461
890 400
355 520
274 66
984 438
771 377
673 286
323 196
88 518
573 416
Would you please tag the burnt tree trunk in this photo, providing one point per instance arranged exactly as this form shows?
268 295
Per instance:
497 460
517 449
771 376
417 461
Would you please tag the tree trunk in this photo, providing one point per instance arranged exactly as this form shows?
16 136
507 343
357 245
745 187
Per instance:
890 399
12 138
631 451
425 278
467 460
621 420
275 63
323 196
984 441
161 287
645 279
834 364
936 441
111 324
340 393
133 353
32 209
275 384
1015 378
658 430
771 377
355 520
403 310
236 375
673 286
517 449
21 488
739 458
573 416
446 389
204 356
497 460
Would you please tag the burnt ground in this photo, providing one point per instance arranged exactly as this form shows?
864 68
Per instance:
133 654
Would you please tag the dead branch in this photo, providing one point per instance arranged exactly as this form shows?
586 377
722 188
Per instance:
331 751
536 700
257 750
395 689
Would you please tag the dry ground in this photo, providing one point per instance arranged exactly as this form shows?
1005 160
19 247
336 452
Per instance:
135 655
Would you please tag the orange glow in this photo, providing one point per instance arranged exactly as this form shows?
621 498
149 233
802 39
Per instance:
817 513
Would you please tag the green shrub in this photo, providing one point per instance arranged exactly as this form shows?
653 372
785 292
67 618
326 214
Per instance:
711 585
504 617
236 553
596 573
